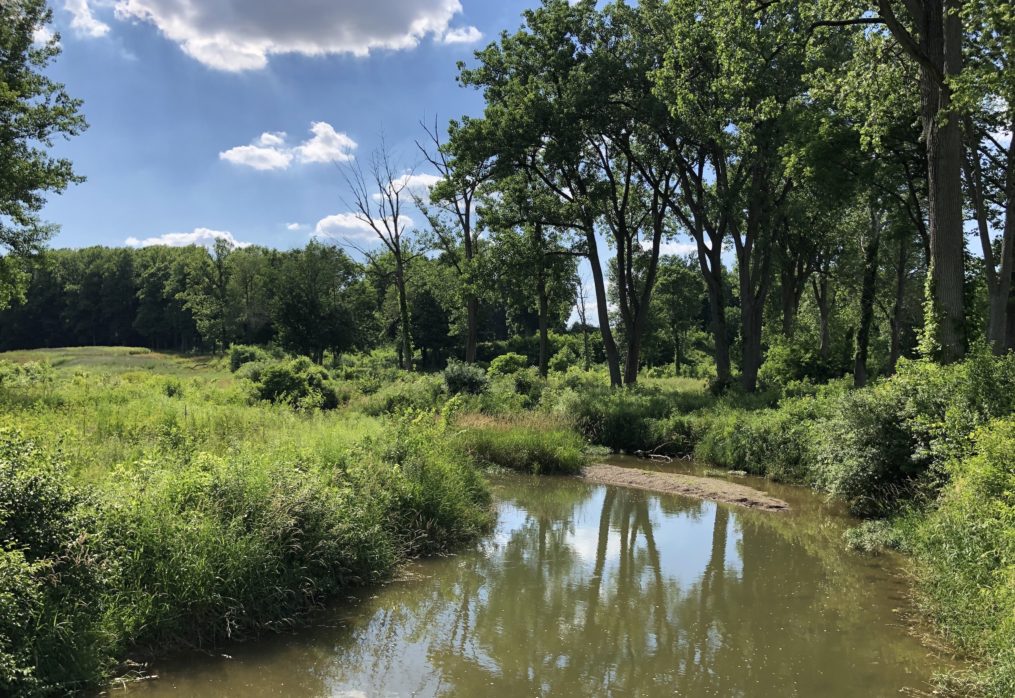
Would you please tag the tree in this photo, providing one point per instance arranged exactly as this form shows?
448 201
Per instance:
33 111
930 34
317 301
378 204
207 295
463 171
733 83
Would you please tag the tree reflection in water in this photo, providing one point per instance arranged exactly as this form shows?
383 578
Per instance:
589 590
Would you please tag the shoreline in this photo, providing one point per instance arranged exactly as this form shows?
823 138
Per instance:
684 485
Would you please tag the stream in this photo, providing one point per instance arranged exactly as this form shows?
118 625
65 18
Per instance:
592 590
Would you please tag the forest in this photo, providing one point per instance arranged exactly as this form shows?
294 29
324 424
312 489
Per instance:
770 237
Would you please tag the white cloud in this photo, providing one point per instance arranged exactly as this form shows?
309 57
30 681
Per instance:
237 35
199 236
83 22
350 226
294 227
672 247
42 36
410 183
327 145
270 151
258 157
462 35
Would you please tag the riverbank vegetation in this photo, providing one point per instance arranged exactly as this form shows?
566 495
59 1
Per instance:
154 502
686 228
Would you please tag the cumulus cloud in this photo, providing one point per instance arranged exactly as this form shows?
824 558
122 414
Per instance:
294 227
238 35
271 152
462 35
199 236
350 226
83 22
327 145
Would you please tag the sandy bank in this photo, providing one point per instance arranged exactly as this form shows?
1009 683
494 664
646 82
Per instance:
686 485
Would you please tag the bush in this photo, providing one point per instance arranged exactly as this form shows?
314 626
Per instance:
891 440
464 378
772 443
298 382
50 583
966 547
507 364
531 448
240 354
418 393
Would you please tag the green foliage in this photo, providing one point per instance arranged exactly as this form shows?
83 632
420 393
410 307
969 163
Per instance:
507 364
773 443
530 446
34 110
240 354
892 439
222 519
50 581
966 547
298 382
465 378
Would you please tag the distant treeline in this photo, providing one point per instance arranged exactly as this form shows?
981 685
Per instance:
309 301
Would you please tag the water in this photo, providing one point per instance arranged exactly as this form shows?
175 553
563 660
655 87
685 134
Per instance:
588 590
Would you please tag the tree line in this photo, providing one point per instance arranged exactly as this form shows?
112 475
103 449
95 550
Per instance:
824 159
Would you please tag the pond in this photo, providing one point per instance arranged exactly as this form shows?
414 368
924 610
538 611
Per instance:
589 590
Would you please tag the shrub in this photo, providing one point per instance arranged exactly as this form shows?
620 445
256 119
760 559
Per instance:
298 382
50 584
422 392
240 354
532 448
464 378
966 547
892 439
507 364
773 443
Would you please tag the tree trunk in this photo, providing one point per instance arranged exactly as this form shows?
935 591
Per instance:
544 342
472 330
1000 327
603 310
823 298
870 275
752 313
901 275
403 311
941 37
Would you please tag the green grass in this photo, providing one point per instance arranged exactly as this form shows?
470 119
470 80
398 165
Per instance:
189 514
537 446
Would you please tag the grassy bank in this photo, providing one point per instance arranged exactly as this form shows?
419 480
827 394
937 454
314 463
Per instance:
158 506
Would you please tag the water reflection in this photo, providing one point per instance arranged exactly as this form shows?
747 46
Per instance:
588 590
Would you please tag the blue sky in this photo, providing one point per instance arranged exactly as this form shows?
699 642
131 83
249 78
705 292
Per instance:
235 115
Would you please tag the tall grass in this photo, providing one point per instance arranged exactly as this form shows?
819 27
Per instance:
526 444
141 511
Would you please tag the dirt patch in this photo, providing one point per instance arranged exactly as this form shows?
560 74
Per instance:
686 485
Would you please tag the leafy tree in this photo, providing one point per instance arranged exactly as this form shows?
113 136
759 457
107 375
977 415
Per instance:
317 300
33 111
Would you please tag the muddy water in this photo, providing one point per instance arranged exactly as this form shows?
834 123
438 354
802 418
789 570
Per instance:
587 590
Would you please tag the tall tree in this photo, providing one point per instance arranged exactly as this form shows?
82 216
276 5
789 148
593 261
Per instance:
33 111
930 34
463 170
378 198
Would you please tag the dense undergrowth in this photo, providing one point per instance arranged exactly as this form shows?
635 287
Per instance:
186 501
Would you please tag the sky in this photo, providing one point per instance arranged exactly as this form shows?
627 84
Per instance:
235 117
